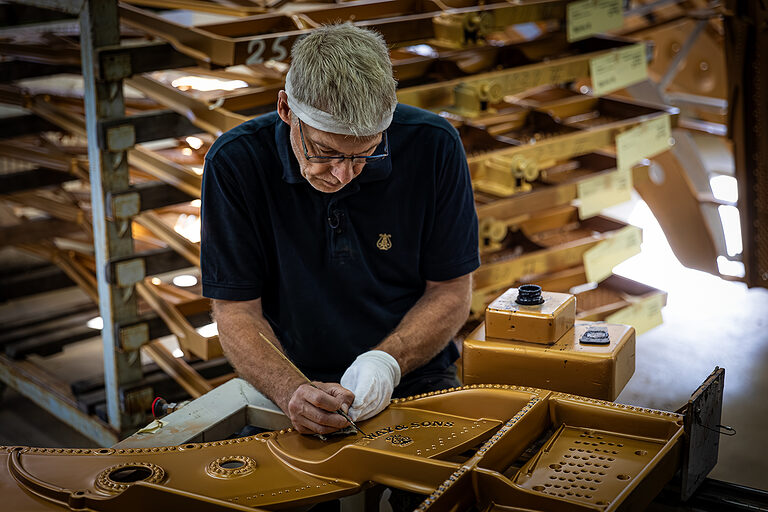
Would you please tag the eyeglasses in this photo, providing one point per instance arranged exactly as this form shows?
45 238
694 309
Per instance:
356 159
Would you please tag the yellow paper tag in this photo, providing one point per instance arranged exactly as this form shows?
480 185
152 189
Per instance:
618 69
643 315
600 192
587 17
643 141
600 259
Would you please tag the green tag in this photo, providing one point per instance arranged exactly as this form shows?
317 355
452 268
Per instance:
618 69
588 17
643 141
600 192
600 259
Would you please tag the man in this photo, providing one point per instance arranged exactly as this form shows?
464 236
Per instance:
341 227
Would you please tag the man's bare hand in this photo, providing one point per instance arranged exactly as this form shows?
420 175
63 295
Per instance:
313 410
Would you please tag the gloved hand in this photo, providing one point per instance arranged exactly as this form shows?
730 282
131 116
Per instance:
371 377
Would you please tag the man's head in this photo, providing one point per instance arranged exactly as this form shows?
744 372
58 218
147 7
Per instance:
339 97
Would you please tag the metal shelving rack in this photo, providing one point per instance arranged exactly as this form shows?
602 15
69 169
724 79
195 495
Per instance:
110 135
103 93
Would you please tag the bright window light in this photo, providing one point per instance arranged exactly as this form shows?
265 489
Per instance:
196 203
177 352
208 330
194 142
724 188
730 268
729 216
95 323
185 280
198 169
205 84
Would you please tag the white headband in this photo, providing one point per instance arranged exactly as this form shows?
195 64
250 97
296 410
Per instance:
324 121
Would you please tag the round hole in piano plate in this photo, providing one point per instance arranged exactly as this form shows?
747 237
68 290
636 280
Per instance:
232 464
641 452
130 474
623 477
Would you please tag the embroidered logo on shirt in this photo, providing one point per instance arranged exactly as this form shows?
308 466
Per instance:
385 242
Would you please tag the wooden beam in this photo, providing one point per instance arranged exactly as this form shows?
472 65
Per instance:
24 124
21 181
41 279
19 69
35 230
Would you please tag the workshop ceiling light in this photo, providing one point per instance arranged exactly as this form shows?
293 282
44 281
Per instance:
194 142
95 323
422 49
157 280
188 226
198 169
196 203
208 330
177 352
185 280
204 84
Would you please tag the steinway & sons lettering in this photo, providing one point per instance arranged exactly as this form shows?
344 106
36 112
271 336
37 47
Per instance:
410 426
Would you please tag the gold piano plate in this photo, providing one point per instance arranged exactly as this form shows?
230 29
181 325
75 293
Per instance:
569 365
460 447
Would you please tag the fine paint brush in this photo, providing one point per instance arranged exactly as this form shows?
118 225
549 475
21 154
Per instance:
339 411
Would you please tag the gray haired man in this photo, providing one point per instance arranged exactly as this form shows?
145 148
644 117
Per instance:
343 227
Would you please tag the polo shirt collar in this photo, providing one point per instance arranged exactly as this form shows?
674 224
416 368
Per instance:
373 171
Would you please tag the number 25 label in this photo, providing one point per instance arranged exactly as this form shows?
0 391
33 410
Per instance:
256 50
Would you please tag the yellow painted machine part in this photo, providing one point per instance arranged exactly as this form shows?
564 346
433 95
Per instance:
596 371
544 323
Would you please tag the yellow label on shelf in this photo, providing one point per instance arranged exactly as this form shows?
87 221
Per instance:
643 141
618 69
643 315
600 192
588 17
600 259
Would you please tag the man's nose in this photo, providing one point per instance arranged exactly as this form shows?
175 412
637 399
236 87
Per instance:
343 171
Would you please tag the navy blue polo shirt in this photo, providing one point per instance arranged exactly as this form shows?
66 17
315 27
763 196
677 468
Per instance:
336 272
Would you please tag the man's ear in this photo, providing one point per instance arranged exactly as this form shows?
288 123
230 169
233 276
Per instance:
283 110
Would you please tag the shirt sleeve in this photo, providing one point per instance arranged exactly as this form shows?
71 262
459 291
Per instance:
452 249
232 258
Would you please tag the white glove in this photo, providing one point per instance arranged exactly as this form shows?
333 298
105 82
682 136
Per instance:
371 377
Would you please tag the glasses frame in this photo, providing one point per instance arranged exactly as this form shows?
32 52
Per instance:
341 158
